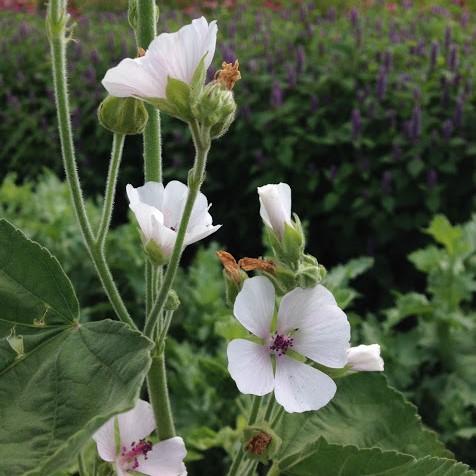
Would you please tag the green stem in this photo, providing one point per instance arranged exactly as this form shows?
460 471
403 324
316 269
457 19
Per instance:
233 471
159 397
82 465
269 408
110 192
196 176
56 23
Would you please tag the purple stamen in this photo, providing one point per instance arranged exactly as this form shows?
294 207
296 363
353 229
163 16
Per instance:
280 344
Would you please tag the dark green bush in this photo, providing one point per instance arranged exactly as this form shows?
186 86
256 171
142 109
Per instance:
369 115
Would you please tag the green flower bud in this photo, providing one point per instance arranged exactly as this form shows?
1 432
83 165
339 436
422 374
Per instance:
310 272
215 108
261 442
172 302
123 115
154 253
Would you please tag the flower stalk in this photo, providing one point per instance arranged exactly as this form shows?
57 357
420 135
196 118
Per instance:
57 18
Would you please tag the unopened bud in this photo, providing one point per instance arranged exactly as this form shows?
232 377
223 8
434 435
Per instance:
172 302
215 108
310 272
16 343
123 115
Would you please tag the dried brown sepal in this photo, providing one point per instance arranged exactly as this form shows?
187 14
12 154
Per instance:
229 74
253 264
230 265
258 444
140 52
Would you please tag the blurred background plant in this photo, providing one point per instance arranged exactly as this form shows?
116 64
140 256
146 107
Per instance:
367 109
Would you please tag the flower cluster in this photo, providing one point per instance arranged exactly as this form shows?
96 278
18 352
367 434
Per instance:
290 350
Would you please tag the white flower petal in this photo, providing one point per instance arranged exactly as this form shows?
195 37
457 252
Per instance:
151 193
365 358
136 423
199 233
300 388
178 54
131 79
300 305
325 337
175 195
163 237
165 459
254 306
250 367
275 209
105 441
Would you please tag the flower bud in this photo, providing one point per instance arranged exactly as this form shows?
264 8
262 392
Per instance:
154 252
123 115
172 302
310 272
365 358
215 108
261 442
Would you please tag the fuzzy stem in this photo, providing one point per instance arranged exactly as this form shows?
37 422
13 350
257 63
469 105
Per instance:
56 24
82 465
109 194
202 146
233 471
159 397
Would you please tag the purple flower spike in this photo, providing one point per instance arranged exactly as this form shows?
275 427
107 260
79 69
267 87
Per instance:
291 75
300 59
447 129
356 124
386 183
415 128
458 114
314 103
354 17
432 178
381 84
448 37
453 58
276 95
435 48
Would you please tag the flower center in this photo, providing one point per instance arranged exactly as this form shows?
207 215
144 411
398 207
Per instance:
280 343
128 458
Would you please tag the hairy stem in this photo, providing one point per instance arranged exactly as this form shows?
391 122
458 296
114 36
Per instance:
239 457
196 176
56 24
159 397
110 192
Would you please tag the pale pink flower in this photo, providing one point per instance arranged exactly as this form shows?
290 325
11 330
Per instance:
310 323
365 358
170 55
136 452
159 209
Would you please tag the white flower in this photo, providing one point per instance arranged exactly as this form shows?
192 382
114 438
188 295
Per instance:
275 209
159 210
136 453
365 358
309 322
175 55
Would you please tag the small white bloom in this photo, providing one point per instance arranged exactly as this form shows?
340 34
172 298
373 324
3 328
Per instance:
365 358
309 322
159 210
175 55
136 453
275 209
